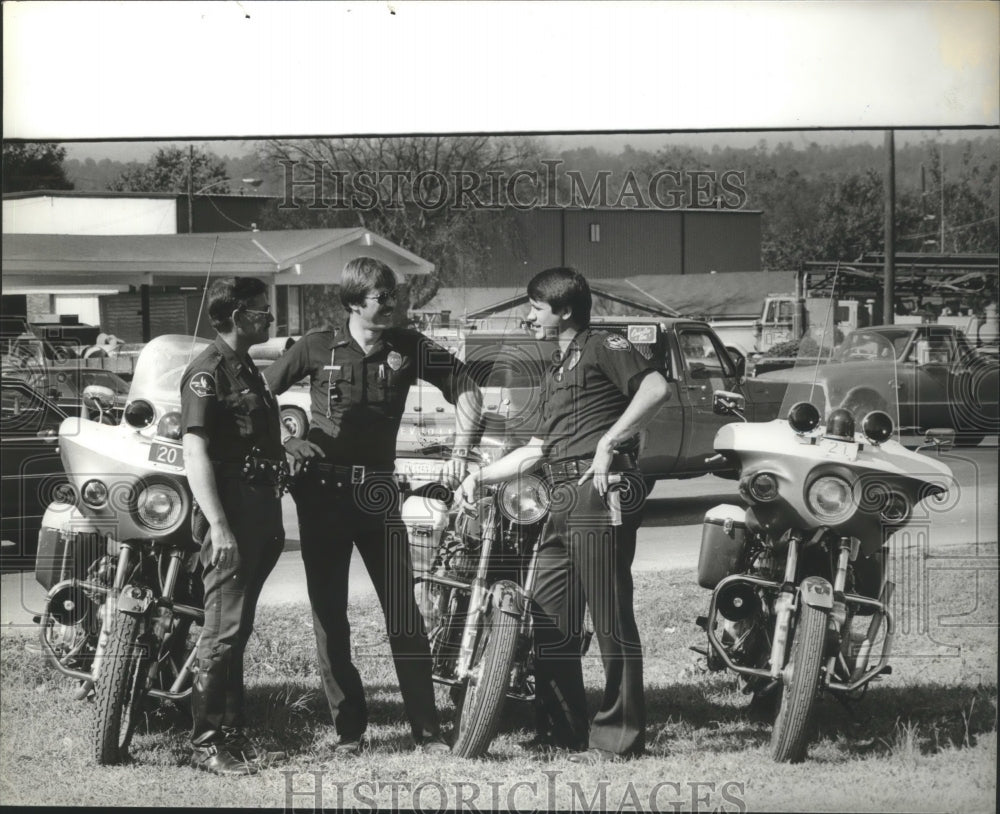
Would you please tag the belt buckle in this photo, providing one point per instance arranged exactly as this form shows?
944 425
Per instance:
357 474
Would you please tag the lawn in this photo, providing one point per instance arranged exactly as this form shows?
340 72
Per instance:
923 739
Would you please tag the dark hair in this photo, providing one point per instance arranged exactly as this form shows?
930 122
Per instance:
231 294
561 287
362 275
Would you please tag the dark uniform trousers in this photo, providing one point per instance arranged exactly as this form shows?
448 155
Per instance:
585 560
231 593
332 520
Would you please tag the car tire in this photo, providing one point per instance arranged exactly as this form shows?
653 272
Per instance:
294 421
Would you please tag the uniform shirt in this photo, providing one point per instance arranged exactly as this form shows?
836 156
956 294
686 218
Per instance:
357 400
226 397
585 391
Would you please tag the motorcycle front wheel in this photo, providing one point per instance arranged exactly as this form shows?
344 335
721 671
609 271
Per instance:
118 691
486 688
790 735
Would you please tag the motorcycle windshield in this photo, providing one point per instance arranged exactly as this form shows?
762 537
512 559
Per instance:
159 368
851 370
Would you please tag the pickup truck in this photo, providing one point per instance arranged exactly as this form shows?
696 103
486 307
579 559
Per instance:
676 444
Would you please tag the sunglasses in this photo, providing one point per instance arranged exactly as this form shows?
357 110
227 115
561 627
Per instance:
383 298
266 312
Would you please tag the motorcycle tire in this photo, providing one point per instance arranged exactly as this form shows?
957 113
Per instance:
118 692
486 689
790 735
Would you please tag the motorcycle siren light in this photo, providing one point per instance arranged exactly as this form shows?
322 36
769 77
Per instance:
139 413
803 417
94 493
877 426
170 426
840 425
763 487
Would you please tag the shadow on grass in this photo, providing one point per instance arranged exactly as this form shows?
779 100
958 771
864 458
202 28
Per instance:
706 716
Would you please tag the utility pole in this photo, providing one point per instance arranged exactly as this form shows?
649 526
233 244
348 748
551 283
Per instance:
889 283
190 189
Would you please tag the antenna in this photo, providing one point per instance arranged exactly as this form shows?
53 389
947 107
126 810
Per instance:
204 294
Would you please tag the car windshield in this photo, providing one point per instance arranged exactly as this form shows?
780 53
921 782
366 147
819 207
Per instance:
871 345
69 383
859 389
159 369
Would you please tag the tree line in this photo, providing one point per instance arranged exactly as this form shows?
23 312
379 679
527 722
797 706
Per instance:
817 202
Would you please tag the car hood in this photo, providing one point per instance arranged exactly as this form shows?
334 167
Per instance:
828 371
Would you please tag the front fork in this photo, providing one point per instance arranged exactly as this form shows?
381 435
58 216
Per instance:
785 604
477 597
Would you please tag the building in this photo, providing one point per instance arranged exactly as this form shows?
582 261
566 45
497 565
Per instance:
619 243
158 281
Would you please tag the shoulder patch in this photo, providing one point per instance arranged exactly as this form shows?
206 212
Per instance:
616 342
202 385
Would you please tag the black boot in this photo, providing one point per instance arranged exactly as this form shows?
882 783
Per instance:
216 758
209 750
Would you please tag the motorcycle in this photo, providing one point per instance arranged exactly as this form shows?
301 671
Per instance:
116 553
474 576
801 604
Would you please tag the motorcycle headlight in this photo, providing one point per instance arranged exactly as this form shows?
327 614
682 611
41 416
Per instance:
170 426
831 499
94 493
525 499
763 487
159 506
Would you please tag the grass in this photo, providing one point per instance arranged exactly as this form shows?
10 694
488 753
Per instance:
923 739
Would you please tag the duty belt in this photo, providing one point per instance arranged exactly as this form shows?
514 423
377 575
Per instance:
573 469
255 470
335 474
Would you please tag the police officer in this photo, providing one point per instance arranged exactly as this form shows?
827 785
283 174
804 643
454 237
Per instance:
359 377
596 396
232 452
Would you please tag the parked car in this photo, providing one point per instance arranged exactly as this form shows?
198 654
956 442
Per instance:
32 471
934 373
64 384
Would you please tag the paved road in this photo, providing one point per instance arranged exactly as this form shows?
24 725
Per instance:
670 536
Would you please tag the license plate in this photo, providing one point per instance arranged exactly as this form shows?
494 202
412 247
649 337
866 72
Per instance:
425 468
168 454
848 450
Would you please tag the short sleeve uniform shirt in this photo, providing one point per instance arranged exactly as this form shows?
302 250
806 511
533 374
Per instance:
586 390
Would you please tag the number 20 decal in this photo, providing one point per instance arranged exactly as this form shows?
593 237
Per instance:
167 455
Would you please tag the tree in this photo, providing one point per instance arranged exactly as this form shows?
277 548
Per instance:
167 171
370 182
34 166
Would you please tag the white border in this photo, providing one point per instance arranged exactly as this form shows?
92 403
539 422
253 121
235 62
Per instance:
100 70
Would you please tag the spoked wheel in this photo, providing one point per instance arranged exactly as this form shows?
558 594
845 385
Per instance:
790 735
118 691
486 688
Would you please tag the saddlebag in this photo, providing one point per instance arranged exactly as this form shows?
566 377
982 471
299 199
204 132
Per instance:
723 538
65 554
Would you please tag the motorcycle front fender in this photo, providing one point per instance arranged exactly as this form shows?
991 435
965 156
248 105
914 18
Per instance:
508 597
135 600
817 593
